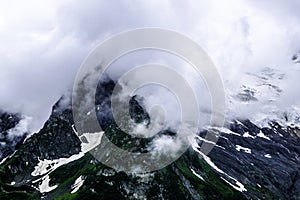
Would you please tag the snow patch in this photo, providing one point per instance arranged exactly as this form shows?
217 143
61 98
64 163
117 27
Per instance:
239 148
4 159
246 134
207 141
262 135
77 184
91 140
47 166
199 176
268 156
240 187
224 130
44 186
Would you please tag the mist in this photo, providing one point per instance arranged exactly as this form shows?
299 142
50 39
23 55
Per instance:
44 43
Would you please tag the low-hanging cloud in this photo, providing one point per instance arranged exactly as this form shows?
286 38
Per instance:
44 43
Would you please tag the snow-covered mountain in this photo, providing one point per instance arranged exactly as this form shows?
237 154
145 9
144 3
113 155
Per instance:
259 96
254 158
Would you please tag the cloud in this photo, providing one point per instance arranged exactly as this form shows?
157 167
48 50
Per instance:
21 128
44 43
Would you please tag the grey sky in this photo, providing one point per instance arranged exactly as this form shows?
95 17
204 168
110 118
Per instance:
44 42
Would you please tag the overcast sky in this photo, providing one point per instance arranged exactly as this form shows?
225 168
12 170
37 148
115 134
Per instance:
43 43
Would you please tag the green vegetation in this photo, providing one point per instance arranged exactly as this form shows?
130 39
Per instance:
175 181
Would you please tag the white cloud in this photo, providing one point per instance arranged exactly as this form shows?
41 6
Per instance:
44 42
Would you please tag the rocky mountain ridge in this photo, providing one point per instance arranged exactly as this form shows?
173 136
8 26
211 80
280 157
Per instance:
248 161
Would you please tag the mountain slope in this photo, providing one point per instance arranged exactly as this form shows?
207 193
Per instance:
49 163
249 161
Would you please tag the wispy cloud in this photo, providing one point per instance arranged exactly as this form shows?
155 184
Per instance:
44 43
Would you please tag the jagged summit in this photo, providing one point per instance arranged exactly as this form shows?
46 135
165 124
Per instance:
247 162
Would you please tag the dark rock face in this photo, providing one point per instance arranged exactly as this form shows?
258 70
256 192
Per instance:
55 140
137 112
8 142
58 140
103 106
271 169
57 131
103 103
246 94
296 58
265 161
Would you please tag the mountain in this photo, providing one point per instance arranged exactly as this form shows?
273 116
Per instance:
53 164
249 161
12 132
